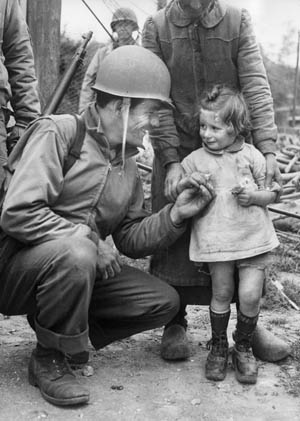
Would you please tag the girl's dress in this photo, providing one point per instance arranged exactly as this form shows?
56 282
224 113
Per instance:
226 230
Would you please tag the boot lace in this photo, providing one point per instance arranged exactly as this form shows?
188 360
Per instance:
61 367
246 349
218 345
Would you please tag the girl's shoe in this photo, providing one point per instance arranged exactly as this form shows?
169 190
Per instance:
216 363
245 364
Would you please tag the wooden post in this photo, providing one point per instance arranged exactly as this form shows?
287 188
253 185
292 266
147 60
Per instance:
43 18
23 4
296 81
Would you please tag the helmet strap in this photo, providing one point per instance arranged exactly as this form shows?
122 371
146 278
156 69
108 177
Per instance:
99 125
125 115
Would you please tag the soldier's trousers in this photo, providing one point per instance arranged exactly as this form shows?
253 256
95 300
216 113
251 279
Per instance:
56 282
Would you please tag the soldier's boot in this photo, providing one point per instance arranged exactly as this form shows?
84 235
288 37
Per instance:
49 370
268 347
174 342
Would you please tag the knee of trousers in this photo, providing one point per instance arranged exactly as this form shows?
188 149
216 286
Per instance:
170 301
76 257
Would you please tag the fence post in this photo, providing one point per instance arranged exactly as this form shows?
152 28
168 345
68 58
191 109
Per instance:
43 18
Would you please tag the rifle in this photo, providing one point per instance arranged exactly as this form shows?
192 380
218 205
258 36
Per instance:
64 83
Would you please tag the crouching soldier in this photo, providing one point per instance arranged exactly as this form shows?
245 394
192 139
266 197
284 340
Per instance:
60 271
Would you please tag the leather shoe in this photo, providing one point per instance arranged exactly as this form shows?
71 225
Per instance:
79 360
268 347
174 343
245 364
49 371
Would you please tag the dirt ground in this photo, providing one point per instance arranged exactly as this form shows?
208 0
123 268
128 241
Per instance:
131 382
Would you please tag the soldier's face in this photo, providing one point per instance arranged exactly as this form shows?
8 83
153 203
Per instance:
124 30
142 118
194 6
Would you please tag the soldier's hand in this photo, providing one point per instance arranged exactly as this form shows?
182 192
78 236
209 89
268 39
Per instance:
272 171
196 195
109 261
175 173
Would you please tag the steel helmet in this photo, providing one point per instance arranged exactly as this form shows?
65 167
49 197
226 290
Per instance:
134 72
124 13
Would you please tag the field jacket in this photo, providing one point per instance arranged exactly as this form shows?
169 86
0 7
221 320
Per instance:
18 83
220 48
96 197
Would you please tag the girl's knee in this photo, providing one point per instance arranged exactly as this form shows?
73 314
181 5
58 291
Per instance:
223 296
250 302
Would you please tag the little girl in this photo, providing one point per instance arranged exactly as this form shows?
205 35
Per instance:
234 234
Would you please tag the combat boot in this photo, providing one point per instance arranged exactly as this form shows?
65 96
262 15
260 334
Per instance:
174 343
268 347
79 360
49 371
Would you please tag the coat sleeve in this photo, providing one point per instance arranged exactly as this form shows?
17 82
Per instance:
34 188
164 139
141 234
255 88
19 63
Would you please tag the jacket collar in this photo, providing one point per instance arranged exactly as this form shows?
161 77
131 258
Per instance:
237 146
176 15
94 126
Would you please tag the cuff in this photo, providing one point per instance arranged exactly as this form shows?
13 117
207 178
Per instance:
67 344
169 156
266 146
276 188
175 228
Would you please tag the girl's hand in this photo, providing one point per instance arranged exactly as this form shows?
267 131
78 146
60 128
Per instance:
244 195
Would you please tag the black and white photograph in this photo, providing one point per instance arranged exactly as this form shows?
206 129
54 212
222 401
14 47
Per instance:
150 210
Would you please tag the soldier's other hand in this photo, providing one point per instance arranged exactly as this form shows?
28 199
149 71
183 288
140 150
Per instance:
175 173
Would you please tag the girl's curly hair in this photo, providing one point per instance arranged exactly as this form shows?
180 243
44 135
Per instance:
231 106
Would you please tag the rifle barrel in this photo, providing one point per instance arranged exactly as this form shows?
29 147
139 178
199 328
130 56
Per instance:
67 77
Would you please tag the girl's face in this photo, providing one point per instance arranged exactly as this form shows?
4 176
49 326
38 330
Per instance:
215 133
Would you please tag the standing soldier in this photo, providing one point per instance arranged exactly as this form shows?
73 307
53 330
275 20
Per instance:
124 25
18 83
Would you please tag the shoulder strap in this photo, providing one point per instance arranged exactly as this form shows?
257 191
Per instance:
74 152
